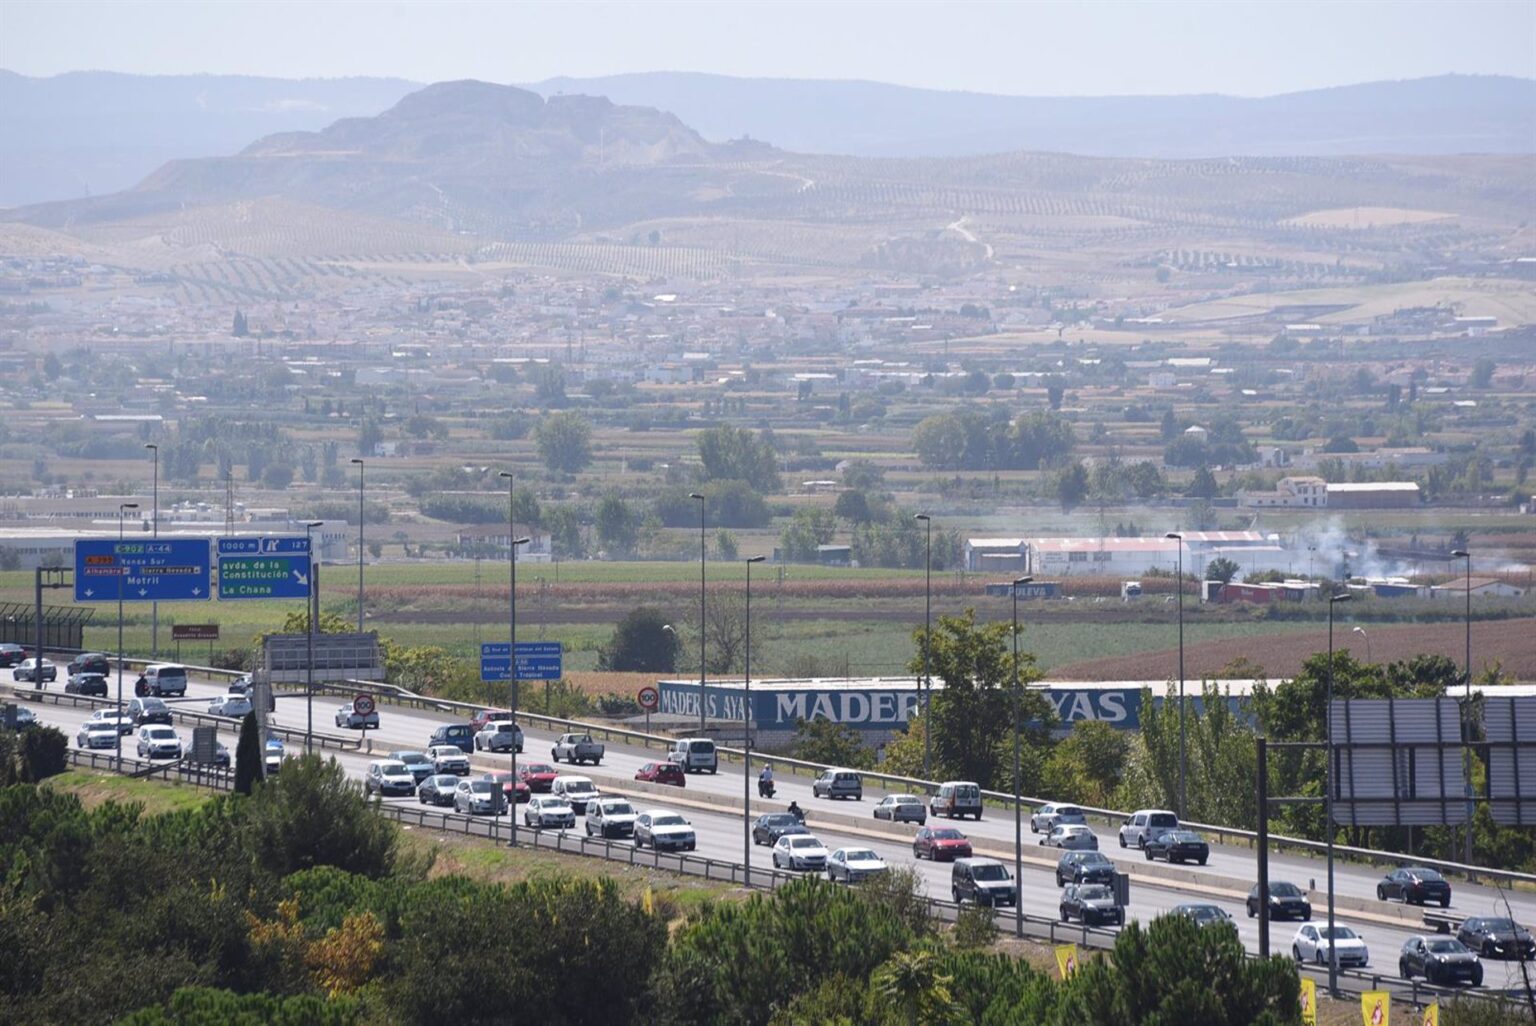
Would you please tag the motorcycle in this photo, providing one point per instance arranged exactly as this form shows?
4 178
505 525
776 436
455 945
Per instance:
799 814
765 788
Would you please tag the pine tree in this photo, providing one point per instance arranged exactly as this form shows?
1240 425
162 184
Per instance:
248 755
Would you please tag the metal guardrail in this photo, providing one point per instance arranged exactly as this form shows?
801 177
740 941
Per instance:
1221 834
215 777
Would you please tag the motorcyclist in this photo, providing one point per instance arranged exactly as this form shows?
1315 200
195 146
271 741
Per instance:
141 686
796 811
765 782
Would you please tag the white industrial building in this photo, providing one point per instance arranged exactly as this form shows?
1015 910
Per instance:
1126 557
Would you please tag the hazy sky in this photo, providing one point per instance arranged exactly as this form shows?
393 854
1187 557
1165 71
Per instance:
1030 48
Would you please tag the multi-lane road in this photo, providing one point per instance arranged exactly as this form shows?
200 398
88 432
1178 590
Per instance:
713 804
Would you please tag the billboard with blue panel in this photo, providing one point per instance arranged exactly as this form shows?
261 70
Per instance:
887 704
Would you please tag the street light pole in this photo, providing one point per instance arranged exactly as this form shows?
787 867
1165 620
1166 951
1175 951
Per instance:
359 545
310 617
1466 706
1018 777
37 665
154 607
746 741
1361 631
512 689
1333 951
1183 737
700 499
927 640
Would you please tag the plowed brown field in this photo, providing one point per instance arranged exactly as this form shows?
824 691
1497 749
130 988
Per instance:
1512 643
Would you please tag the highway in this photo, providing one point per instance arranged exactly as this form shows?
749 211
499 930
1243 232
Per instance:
713 803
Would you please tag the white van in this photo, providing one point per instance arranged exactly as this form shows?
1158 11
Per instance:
162 679
1145 824
956 798
695 755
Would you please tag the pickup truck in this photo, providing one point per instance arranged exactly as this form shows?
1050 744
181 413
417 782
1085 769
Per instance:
576 748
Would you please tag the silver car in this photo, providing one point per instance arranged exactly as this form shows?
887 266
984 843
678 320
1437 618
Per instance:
850 865
477 797
664 830
902 808
799 851
548 811
1054 814
449 759
235 706
97 734
349 718
159 742
1071 836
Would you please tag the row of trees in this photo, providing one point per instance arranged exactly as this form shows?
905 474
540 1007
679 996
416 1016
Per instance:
971 440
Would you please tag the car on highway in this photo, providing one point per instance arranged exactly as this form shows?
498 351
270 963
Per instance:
548 811
272 756
982 881
478 797
1053 813
1415 885
1084 867
241 685
662 773
1494 937
1203 915
1440 960
518 792
850 865
499 736
89 662
1072 836
611 817
773 825
437 789
97 734
221 756
577 748
902 808
25 719
956 799
664 830
800 852
162 679
86 684
1141 826
940 842
11 654
484 716
459 734
1311 944
1178 846
148 710
539 776
349 718
695 755
236 706
449 759
419 763
159 742
124 724
388 777
1090 904
577 791
1286 901
838 784
27 670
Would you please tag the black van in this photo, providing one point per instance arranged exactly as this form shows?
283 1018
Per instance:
460 734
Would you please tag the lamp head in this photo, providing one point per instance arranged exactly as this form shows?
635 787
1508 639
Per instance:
127 505
1340 598
1022 580
921 516
695 495
315 523
756 559
357 461
1174 536
1462 554
506 474
521 541
151 445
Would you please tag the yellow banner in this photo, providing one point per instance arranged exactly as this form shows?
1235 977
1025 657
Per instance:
1066 959
1309 1001
1376 1008
1432 1014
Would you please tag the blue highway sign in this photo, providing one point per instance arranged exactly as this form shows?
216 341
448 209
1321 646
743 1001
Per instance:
264 568
264 546
495 661
536 660
149 570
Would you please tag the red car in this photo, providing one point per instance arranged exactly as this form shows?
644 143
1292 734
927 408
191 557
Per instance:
505 780
940 842
484 716
539 776
662 773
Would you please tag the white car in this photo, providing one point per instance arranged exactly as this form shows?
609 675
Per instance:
499 736
545 810
850 865
237 706
664 830
1054 813
389 776
159 742
799 851
577 791
611 817
1144 824
27 670
124 724
1311 945
449 759
1072 837
349 718
97 734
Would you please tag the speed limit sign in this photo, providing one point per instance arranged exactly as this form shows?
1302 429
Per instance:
649 698
363 705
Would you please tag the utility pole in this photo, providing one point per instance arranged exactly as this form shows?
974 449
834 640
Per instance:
927 641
